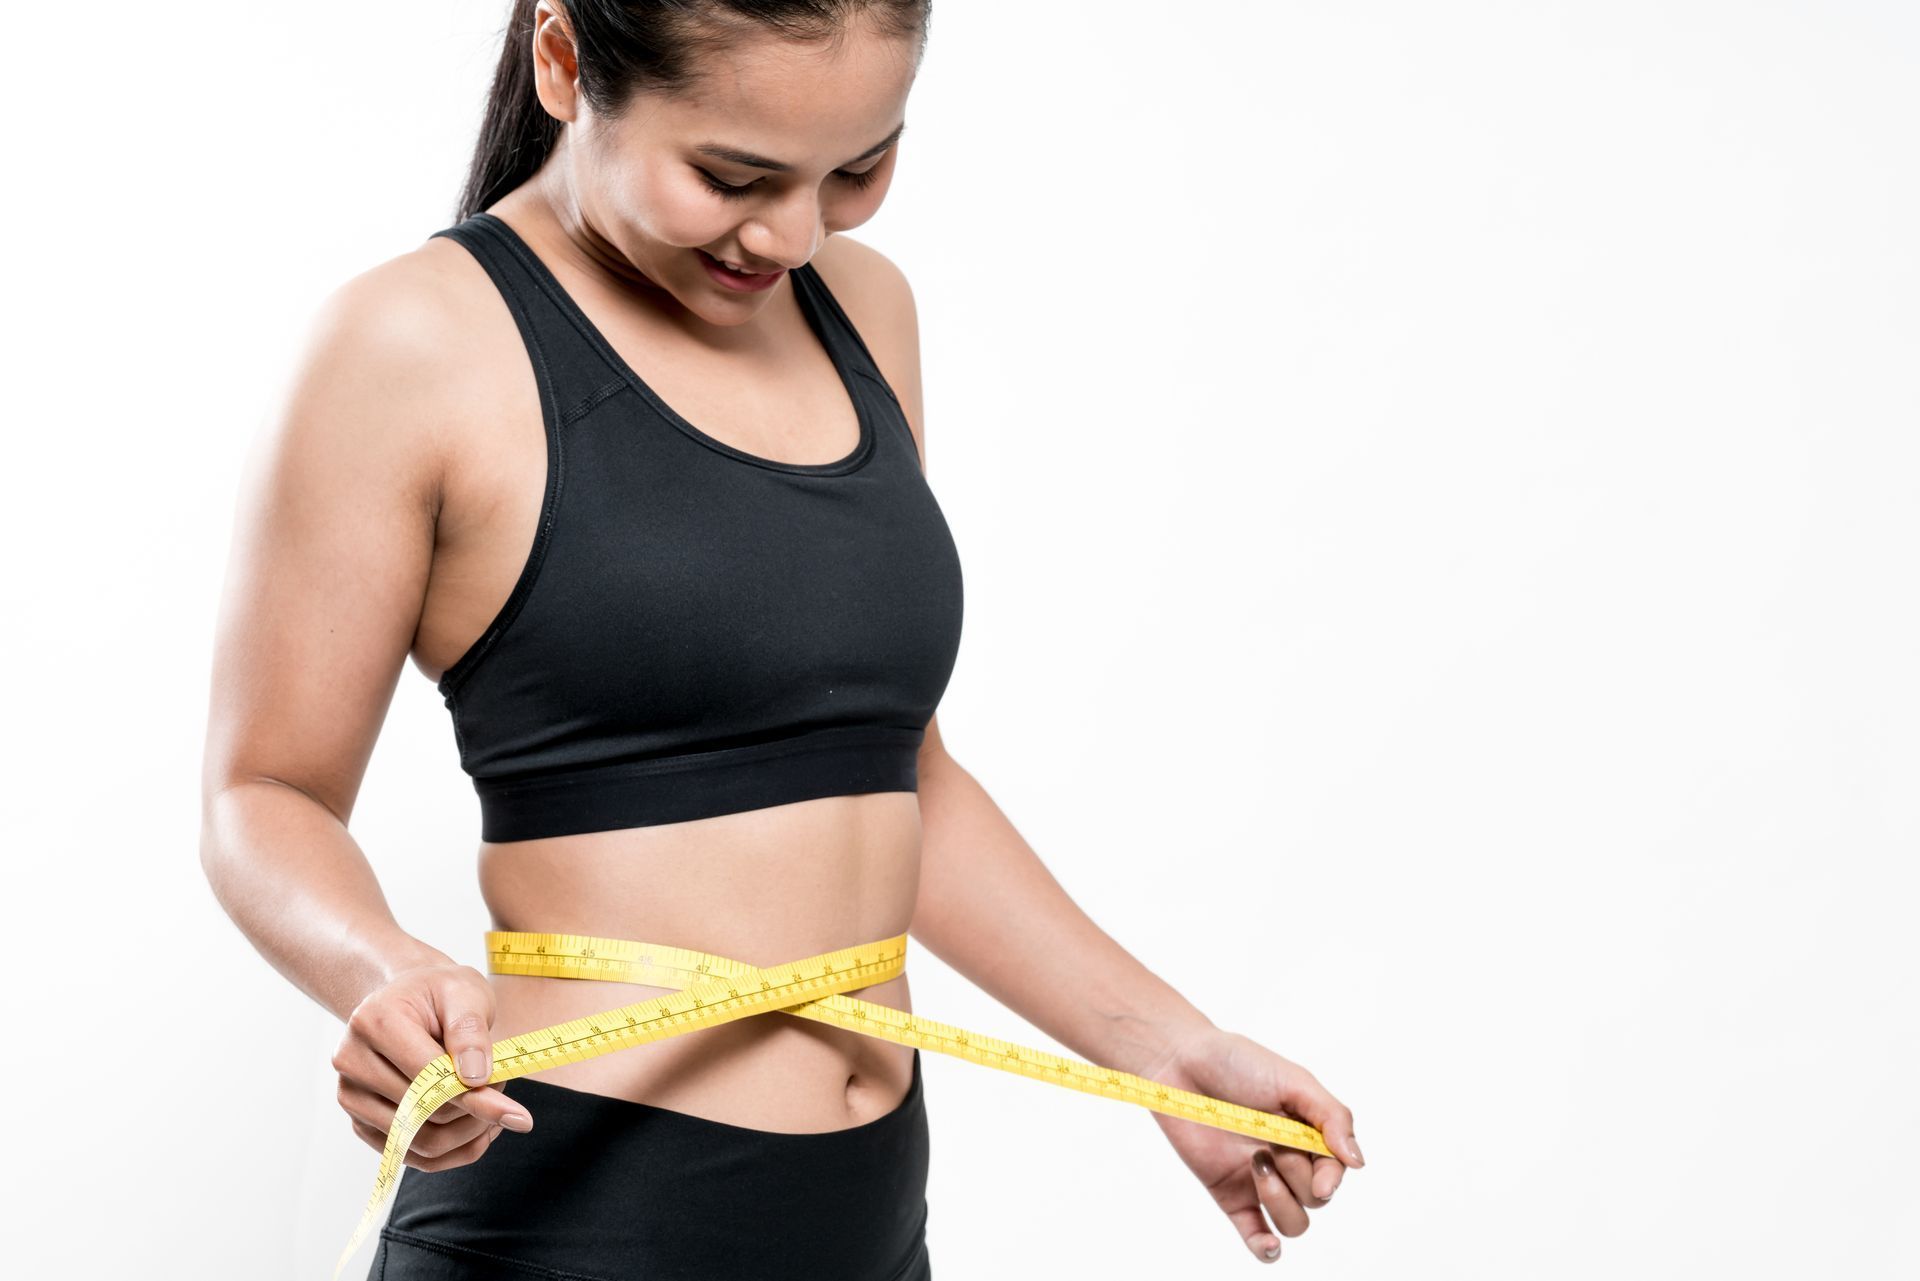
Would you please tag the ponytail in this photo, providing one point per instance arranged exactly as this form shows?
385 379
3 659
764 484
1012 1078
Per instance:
517 135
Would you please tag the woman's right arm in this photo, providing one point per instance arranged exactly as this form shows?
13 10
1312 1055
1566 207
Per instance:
333 544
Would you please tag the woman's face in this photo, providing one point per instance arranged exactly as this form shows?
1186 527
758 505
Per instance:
776 147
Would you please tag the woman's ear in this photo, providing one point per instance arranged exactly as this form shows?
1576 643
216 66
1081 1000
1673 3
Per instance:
556 64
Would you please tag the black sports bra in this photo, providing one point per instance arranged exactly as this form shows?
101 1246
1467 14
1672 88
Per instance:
698 630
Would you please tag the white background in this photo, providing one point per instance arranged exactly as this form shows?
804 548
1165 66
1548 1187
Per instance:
1437 487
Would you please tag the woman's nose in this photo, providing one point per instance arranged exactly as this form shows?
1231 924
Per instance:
789 234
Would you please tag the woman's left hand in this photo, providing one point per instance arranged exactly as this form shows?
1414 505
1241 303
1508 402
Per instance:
1244 1174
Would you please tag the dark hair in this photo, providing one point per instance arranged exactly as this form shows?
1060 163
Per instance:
640 46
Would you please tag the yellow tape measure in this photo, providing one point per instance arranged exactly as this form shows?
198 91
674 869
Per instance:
718 989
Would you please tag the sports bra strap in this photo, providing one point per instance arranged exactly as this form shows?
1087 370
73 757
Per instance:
570 367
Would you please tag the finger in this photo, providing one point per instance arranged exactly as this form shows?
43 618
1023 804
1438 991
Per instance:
1309 1100
447 1139
464 1009
362 1065
1289 1220
463 1004
465 1154
1252 1227
403 1042
369 1108
362 1068
1296 1171
1327 1173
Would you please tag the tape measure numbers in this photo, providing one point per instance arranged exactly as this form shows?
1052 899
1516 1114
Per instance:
718 989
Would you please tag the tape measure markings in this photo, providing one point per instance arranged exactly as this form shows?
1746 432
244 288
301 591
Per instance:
720 990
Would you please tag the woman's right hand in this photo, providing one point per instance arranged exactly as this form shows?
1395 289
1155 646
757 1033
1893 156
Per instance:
421 1013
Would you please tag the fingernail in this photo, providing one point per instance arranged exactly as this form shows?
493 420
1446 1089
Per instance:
1271 1252
1353 1148
517 1121
473 1065
1263 1164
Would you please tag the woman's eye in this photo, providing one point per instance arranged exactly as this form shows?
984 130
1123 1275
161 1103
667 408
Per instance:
866 179
721 189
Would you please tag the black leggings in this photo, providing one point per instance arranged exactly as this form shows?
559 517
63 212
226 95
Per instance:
608 1189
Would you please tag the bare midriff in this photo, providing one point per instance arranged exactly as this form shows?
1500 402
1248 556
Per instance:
761 886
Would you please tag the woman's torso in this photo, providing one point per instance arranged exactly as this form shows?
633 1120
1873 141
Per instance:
762 885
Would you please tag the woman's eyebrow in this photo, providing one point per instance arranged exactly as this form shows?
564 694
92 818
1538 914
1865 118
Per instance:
734 155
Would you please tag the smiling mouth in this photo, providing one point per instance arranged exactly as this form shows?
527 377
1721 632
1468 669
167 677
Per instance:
739 270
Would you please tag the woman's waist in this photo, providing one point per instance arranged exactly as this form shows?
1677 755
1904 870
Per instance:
769 1071
760 887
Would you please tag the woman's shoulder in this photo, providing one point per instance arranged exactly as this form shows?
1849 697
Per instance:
877 297
412 312
867 283
404 348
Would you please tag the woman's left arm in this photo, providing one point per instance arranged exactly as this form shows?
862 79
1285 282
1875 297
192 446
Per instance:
989 908
993 911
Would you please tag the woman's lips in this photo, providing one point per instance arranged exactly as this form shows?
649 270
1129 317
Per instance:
734 280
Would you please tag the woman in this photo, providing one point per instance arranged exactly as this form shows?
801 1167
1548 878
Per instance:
692 670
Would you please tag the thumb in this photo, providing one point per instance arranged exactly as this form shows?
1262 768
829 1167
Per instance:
465 1011
463 1005
465 1015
